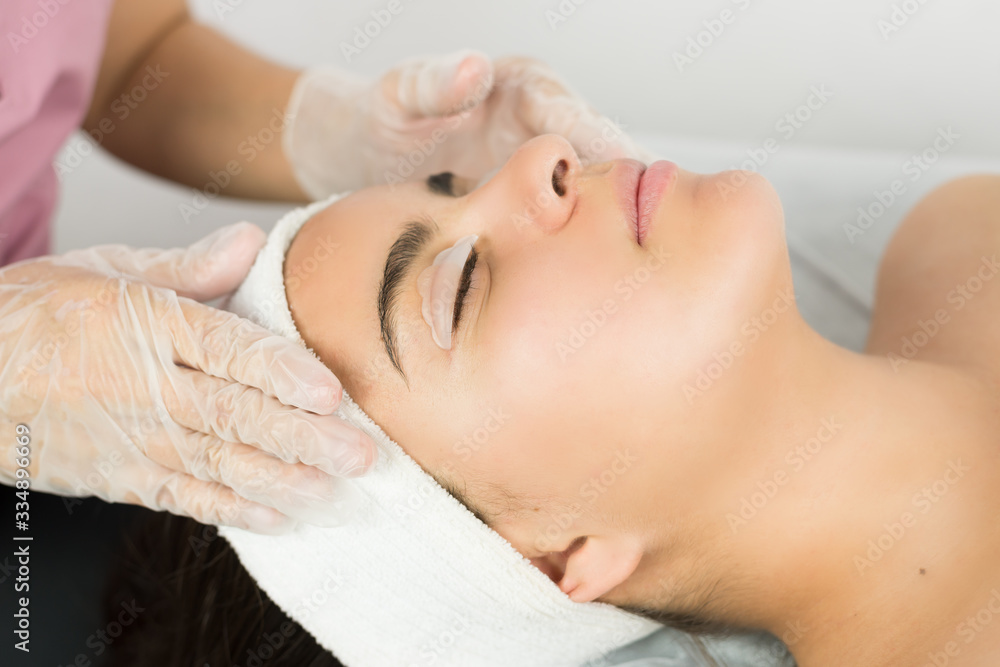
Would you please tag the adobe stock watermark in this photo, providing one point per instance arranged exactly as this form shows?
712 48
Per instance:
958 298
899 16
778 653
464 448
471 443
79 148
558 16
99 479
432 651
271 643
611 132
407 163
795 459
591 491
261 480
299 272
968 631
319 596
668 595
247 151
923 501
364 34
416 500
32 23
376 367
750 332
44 351
224 7
787 126
915 167
623 289
713 28
102 638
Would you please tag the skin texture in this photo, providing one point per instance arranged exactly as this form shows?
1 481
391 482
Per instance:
209 97
624 461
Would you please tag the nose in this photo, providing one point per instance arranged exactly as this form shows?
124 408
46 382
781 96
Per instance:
536 189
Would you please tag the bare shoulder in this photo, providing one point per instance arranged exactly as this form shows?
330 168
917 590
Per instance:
938 291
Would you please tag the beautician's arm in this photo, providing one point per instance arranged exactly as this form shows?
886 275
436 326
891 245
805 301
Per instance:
204 97
180 100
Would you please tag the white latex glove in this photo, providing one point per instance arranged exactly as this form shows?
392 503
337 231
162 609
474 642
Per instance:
459 112
135 392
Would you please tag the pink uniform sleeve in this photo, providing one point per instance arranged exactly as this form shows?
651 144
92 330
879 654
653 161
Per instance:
49 59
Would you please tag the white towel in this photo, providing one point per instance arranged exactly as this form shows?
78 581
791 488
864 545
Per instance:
415 579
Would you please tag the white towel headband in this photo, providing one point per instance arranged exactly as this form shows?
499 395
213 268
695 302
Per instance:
415 579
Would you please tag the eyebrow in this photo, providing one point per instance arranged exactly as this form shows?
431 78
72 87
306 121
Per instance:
403 253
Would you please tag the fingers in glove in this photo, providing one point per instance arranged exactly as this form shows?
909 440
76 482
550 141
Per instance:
548 105
297 490
233 348
208 269
593 137
238 413
439 85
216 504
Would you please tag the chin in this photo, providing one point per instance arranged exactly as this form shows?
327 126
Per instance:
739 189
743 208
741 246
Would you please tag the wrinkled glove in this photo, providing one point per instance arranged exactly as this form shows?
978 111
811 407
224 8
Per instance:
459 112
133 391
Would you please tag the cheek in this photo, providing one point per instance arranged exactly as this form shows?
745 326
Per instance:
453 435
550 441
548 331
584 363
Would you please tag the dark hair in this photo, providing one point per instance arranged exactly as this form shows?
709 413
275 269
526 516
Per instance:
201 606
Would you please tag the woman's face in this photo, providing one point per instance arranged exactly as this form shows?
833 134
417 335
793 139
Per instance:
586 384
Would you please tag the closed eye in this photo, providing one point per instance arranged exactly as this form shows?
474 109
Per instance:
464 285
444 184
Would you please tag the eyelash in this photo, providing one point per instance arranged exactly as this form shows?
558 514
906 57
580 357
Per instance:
444 183
464 287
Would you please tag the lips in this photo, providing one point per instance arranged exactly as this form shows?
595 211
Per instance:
654 182
628 177
640 189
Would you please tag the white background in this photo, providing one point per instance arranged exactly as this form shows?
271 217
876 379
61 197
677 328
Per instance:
890 92
942 65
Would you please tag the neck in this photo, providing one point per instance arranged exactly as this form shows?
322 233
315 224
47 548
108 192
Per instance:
861 519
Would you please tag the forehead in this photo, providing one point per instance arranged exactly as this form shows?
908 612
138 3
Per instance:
332 274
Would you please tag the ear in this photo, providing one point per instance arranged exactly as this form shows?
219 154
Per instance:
592 566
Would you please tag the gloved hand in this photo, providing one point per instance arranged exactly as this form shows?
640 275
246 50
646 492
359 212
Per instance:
459 112
135 392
